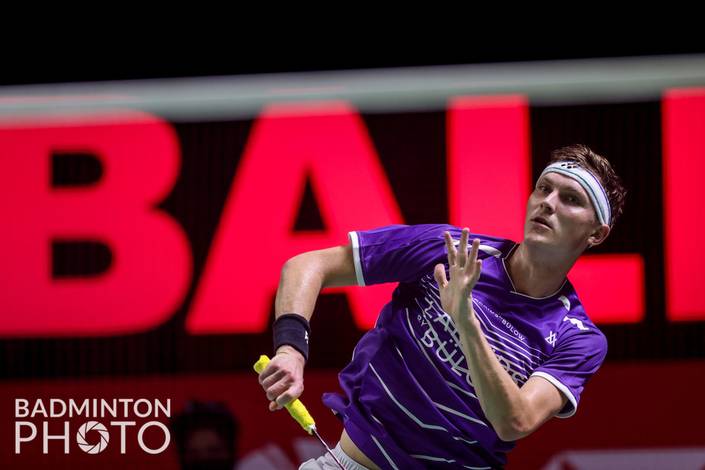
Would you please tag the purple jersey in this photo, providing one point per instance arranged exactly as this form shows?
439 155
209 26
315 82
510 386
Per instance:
409 399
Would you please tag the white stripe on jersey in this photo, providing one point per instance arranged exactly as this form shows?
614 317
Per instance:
539 354
460 389
403 408
384 452
535 360
455 367
375 418
432 459
492 336
423 350
458 413
464 440
438 405
417 420
500 346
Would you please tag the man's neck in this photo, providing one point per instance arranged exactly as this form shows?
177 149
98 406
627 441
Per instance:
537 274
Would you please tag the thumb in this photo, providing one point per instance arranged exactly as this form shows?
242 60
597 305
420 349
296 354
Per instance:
439 272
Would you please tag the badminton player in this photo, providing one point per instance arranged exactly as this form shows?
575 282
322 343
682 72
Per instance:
483 340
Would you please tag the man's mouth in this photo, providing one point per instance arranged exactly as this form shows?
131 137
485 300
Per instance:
541 221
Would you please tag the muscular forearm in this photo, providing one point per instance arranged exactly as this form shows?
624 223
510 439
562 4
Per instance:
304 275
499 396
302 278
299 285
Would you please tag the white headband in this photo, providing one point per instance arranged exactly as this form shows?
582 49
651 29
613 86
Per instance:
590 184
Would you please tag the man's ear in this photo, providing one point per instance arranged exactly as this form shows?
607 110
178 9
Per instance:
598 235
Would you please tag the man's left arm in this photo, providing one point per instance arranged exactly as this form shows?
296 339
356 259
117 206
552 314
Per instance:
514 412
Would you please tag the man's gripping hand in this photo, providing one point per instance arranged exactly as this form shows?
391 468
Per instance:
283 378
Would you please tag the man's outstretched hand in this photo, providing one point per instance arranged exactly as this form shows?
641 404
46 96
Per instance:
464 271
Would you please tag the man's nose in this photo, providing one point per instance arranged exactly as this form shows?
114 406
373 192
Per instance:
549 202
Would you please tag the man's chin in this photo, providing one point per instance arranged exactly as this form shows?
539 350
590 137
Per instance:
537 240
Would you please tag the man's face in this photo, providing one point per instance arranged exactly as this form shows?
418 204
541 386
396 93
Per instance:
559 214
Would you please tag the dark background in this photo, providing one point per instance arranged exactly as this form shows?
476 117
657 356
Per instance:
65 55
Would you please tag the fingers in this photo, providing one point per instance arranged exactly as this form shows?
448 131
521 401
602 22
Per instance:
472 260
274 391
280 383
283 399
272 379
478 270
290 395
462 255
268 370
282 380
449 248
439 272
282 393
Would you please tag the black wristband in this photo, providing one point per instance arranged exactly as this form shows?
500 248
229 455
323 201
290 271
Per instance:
294 330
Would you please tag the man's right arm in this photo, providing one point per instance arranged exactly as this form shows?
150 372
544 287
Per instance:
302 278
304 275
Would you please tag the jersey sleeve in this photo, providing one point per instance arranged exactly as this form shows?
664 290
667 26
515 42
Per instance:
579 353
397 253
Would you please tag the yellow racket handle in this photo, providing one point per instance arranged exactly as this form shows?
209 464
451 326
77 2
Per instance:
296 409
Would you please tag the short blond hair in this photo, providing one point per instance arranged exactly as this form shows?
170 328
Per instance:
601 168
